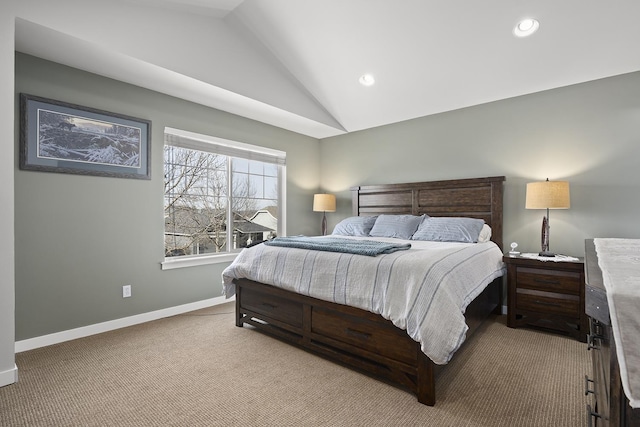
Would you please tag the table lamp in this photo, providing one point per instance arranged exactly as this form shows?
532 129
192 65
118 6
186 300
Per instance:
324 203
547 195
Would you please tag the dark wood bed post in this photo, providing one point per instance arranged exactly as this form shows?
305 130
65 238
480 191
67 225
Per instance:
426 390
239 315
496 211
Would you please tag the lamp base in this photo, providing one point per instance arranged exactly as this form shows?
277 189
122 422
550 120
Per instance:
544 250
324 224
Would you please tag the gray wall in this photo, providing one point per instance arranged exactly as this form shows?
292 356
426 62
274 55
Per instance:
588 134
79 239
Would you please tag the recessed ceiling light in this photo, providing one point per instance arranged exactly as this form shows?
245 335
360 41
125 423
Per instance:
367 80
526 27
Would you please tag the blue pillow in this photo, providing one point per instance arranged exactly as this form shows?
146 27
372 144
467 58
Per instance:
355 226
449 229
398 226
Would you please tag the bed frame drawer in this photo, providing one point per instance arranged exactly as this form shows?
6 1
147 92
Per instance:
378 337
273 307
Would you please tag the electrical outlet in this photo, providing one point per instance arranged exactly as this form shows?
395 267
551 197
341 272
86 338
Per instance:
126 291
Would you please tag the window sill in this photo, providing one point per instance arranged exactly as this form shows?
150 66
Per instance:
184 261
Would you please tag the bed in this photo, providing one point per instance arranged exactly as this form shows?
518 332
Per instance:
373 338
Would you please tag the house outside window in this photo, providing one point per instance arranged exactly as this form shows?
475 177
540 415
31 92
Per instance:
219 195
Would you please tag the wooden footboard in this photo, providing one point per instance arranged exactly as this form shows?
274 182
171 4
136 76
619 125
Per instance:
348 335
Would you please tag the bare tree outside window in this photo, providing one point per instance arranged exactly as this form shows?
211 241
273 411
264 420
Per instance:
197 194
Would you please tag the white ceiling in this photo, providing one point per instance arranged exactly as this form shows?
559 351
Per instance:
428 56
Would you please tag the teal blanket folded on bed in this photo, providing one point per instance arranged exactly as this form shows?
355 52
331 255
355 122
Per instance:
337 244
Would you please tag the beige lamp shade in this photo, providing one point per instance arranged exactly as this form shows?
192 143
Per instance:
548 195
324 203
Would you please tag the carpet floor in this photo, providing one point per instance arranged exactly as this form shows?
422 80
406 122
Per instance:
199 369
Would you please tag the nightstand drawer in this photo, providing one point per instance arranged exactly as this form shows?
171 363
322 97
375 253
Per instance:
548 302
558 281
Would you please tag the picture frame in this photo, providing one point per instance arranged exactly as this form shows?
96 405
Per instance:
57 136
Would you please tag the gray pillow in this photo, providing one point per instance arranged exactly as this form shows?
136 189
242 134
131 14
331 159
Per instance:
355 226
449 229
398 226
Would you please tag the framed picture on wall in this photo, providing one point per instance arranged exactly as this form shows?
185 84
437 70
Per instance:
59 137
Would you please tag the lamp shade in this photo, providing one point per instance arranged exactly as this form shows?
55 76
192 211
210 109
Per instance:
324 203
548 195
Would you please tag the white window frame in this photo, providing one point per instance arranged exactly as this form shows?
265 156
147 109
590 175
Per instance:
201 142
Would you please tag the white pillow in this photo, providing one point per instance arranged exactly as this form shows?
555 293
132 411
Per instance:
485 234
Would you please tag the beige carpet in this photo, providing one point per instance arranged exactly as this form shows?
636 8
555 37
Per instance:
199 369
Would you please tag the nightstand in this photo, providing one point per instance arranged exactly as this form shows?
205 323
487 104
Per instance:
546 294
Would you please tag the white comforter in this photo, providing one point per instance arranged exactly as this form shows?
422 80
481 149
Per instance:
424 290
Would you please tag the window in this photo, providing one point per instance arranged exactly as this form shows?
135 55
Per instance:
219 195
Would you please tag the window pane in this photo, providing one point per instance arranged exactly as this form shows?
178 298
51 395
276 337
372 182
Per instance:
240 184
256 187
256 167
271 188
270 169
240 165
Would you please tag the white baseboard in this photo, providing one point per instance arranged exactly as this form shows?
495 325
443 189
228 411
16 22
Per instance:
85 331
9 376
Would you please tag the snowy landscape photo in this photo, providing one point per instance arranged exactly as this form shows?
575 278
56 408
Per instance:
57 136
80 139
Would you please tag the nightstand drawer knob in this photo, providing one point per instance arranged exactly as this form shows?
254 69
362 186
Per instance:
547 303
546 281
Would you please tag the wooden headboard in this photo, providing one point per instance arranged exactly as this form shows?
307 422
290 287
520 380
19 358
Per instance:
474 198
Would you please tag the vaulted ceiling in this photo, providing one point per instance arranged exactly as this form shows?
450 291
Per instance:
296 63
